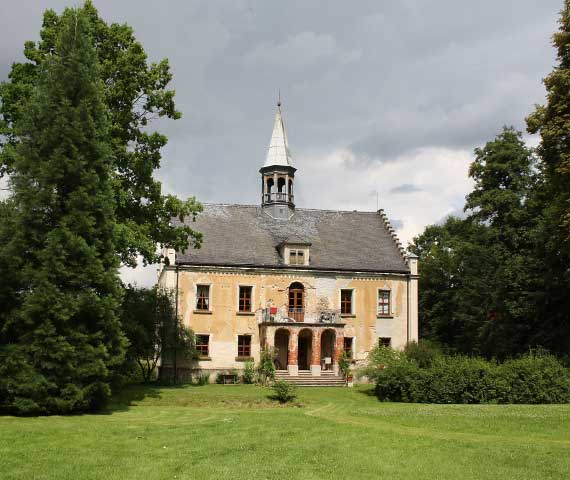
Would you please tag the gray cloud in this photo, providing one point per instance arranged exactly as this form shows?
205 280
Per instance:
406 188
375 79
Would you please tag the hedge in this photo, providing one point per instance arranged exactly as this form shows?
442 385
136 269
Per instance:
536 377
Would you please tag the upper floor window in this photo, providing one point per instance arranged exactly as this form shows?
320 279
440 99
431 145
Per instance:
296 257
202 297
203 345
346 302
383 302
244 303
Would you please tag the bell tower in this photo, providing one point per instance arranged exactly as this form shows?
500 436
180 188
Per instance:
278 174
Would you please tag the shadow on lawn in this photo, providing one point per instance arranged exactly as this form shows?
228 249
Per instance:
130 396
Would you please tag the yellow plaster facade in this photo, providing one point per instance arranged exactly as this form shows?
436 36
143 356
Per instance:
270 288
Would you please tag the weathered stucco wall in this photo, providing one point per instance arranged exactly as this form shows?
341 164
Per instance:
223 322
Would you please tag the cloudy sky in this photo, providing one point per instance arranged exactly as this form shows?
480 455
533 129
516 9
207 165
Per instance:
380 98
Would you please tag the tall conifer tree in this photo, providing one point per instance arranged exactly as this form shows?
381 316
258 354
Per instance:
58 348
552 122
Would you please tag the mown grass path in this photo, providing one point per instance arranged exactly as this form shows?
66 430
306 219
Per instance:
237 432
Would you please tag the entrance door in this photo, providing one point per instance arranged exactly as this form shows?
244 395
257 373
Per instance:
304 349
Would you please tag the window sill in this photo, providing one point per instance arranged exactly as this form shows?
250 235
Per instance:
203 312
245 314
384 316
201 358
347 315
244 359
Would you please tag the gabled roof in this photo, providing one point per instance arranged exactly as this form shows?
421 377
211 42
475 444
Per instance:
278 152
240 235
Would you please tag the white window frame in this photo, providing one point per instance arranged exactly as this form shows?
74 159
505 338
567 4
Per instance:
252 306
210 288
389 313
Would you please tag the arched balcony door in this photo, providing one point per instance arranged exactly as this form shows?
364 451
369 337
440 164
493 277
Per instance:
297 302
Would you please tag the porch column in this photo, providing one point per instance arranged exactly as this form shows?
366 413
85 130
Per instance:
316 353
338 348
292 356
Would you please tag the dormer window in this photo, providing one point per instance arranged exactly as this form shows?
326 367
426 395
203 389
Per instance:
294 252
296 257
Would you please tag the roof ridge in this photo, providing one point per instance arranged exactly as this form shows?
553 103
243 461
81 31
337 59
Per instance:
366 212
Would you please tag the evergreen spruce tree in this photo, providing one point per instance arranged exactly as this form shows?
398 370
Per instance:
60 343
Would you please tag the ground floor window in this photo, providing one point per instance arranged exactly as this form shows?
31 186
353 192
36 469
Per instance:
385 341
244 345
348 342
203 345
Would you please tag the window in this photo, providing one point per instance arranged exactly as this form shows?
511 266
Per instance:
202 297
346 302
383 302
244 345
348 346
296 302
203 345
244 303
385 342
296 257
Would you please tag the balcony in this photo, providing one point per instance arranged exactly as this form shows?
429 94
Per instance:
299 315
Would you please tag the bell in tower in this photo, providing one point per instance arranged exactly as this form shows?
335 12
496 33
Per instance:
278 174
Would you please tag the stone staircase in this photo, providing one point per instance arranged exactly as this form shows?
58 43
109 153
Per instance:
305 379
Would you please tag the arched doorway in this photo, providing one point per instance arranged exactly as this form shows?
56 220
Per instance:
282 347
297 301
305 349
327 349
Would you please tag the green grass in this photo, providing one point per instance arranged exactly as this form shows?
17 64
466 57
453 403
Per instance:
226 432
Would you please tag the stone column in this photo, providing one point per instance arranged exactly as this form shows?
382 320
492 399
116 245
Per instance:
292 358
286 192
338 347
316 353
275 185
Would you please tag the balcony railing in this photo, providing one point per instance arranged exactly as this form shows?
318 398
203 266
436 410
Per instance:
328 316
278 197
300 315
297 314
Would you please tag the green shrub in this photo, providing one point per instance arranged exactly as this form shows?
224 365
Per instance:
536 377
249 372
344 362
203 379
220 377
266 367
423 352
379 358
284 392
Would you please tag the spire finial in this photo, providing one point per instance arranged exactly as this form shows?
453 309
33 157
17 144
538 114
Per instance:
279 97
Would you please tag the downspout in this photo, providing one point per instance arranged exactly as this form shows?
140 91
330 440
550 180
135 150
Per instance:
408 313
174 361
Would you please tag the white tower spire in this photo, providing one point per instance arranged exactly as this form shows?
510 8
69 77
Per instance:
278 152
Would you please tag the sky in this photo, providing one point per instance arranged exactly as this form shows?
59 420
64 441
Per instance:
383 102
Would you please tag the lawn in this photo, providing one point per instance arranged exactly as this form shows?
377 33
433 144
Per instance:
225 432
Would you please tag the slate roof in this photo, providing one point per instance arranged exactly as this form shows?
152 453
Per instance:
243 235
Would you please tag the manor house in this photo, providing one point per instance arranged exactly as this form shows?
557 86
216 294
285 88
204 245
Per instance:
311 283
